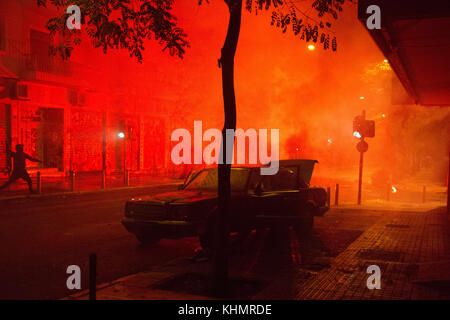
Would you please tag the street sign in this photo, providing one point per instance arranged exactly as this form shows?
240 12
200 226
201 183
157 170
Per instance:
362 128
362 146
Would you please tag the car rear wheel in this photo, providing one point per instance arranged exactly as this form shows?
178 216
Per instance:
206 238
148 239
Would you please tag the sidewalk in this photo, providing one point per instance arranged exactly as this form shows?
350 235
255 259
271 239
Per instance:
411 247
412 251
55 184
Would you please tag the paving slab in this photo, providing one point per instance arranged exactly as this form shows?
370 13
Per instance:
405 245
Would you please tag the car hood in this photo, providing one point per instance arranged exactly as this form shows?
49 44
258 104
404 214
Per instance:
176 197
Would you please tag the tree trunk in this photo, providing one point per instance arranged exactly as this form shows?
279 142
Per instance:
226 61
448 183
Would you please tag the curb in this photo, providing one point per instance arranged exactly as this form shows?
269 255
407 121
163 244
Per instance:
75 193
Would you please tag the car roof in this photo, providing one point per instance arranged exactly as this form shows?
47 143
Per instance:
282 163
306 167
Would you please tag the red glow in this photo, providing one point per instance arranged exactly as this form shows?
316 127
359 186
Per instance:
310 98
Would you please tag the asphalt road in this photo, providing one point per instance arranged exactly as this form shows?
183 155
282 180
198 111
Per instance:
40 238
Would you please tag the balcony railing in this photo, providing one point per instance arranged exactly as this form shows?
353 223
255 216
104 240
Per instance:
20 50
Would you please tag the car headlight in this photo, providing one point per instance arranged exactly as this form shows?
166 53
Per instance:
128 209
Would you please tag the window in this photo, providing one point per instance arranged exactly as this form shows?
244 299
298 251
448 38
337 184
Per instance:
39 49
2 34
39 43
208 180
255 179
285 179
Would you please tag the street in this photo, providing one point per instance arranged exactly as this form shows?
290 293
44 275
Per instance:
42 237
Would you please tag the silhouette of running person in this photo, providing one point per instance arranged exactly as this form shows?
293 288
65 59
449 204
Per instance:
19 170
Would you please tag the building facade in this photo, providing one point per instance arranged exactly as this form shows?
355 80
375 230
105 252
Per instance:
63 111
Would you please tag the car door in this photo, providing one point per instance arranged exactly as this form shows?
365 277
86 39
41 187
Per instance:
276 197
284 190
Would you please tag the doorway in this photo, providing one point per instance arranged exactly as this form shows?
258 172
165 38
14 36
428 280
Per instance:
5 137
51 134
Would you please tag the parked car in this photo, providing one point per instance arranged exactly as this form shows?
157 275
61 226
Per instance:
257 201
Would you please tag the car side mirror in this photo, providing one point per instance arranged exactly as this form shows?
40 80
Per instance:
258 189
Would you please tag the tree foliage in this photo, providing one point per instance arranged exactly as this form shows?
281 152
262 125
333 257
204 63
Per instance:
286 14
114 24
126 24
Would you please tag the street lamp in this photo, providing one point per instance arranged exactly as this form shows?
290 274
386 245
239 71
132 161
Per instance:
122 135
311 47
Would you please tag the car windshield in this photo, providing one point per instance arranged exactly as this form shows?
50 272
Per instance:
208 180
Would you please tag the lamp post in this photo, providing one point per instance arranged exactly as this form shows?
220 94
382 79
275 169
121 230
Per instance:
104 151
123 136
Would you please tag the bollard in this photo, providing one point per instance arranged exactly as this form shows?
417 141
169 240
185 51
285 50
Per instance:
103 179
336 195
38 182
424 191
72 180
127 178
329 197
92 276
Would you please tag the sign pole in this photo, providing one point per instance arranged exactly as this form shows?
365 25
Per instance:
361 161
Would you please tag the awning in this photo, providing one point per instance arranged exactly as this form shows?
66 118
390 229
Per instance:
415 38
5 73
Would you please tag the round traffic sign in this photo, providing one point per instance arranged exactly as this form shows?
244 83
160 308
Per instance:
362 146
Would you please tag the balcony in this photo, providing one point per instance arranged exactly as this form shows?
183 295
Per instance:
29 66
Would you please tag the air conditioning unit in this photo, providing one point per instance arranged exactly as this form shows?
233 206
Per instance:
19 91
82 99
22 91
76 98
72 96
